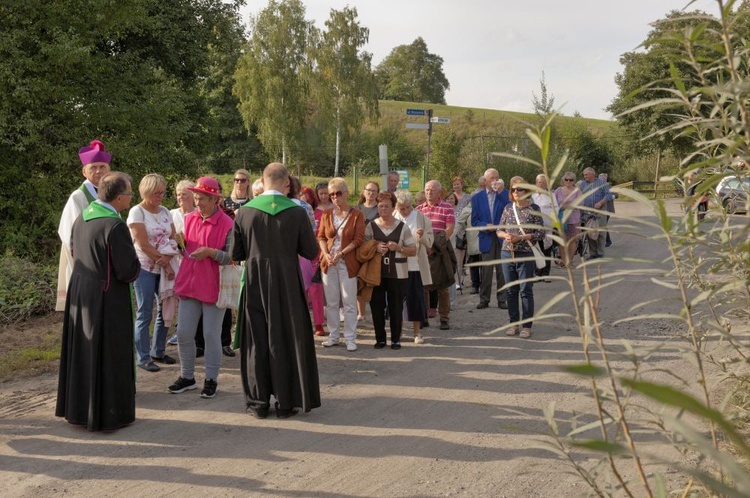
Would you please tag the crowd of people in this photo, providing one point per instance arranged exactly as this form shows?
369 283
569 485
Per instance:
403 256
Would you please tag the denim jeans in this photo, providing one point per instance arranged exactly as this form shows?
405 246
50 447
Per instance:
146 291
513 271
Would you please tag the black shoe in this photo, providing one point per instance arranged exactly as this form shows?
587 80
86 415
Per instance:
395 345
444 326
199 352
482 305
289 412
209 388
425 324
166 359
258 411
379 345
503 305
474 291
181 385
149 366
228 351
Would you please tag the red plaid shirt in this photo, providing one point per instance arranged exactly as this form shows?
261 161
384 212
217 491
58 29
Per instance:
441 215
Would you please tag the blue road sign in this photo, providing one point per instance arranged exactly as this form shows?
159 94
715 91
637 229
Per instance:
415 112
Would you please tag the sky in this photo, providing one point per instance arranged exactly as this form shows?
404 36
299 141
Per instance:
494 51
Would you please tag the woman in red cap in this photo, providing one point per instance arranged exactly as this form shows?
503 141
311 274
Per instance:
207 237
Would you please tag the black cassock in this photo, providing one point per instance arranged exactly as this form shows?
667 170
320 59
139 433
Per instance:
273 325
97 368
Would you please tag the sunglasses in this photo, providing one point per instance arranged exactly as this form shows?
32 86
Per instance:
518 189
240 180
569 179
335 194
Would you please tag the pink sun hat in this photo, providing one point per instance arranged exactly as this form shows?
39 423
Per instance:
207 185
94 153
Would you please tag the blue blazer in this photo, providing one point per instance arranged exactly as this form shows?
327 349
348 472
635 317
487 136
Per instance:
481 216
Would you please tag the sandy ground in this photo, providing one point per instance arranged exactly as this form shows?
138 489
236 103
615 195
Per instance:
457 416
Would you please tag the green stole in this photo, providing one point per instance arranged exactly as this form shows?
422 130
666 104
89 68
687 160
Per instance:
86 192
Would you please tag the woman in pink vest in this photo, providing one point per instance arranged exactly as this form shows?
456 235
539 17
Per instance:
207 237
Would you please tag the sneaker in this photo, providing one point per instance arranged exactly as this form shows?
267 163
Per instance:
209 388
172 340
445 326
330 343
395 345
418 339
351 346
149 366
166 359
181 385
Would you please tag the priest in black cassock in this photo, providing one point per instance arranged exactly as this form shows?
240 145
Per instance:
273 325
97 369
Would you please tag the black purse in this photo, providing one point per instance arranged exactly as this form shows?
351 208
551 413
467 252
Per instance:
317 276
461 242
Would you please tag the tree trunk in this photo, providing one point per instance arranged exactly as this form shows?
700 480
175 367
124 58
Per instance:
283 151
658 166
338 140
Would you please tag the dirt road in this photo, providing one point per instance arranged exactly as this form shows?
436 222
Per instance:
456 416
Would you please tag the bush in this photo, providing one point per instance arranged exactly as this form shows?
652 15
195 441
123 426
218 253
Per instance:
26 289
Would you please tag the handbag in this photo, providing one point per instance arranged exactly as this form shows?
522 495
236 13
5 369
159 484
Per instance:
229 286
539 260
317 276
592 228
461 242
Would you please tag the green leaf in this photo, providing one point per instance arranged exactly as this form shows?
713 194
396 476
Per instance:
601 446
585 370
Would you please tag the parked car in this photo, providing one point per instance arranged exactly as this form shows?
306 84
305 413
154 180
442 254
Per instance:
732 192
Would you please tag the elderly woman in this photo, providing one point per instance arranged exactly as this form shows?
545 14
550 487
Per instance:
517 219
567 195
207 239
395 244
419 265
548 208
460 200
185 206
153 233
241 192
340 232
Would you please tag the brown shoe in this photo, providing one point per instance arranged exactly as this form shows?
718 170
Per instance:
512 331
525 333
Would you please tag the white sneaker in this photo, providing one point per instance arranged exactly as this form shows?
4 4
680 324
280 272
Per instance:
329 343
418 339
351 346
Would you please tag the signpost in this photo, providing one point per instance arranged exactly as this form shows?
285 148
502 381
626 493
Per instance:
428 127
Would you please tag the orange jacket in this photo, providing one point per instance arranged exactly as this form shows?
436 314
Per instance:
353 232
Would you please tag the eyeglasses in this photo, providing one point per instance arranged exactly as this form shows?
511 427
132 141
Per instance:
159 192
569 179
240 180
518 189
335 194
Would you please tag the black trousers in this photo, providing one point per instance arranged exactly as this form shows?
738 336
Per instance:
392 291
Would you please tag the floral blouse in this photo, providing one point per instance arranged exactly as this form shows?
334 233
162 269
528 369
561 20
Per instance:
528 215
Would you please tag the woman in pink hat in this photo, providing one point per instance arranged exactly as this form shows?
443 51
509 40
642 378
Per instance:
207 237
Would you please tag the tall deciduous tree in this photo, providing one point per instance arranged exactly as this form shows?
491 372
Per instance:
124 72
411 73
344 81
272 75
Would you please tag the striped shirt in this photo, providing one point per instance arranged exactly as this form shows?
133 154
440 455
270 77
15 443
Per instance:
601 191
441 215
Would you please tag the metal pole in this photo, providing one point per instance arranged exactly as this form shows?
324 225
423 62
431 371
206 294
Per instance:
429 140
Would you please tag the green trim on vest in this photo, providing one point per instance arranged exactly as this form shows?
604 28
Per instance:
270 204
96 210
86 192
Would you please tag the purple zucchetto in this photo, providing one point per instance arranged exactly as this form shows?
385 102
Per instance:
94 153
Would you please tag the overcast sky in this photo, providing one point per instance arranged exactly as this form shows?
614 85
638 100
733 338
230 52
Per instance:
494 51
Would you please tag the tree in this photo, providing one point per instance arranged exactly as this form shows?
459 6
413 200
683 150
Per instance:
410 73
544 105
272 75
344 81
123 72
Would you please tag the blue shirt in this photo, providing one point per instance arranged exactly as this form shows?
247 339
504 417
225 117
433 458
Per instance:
600 189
